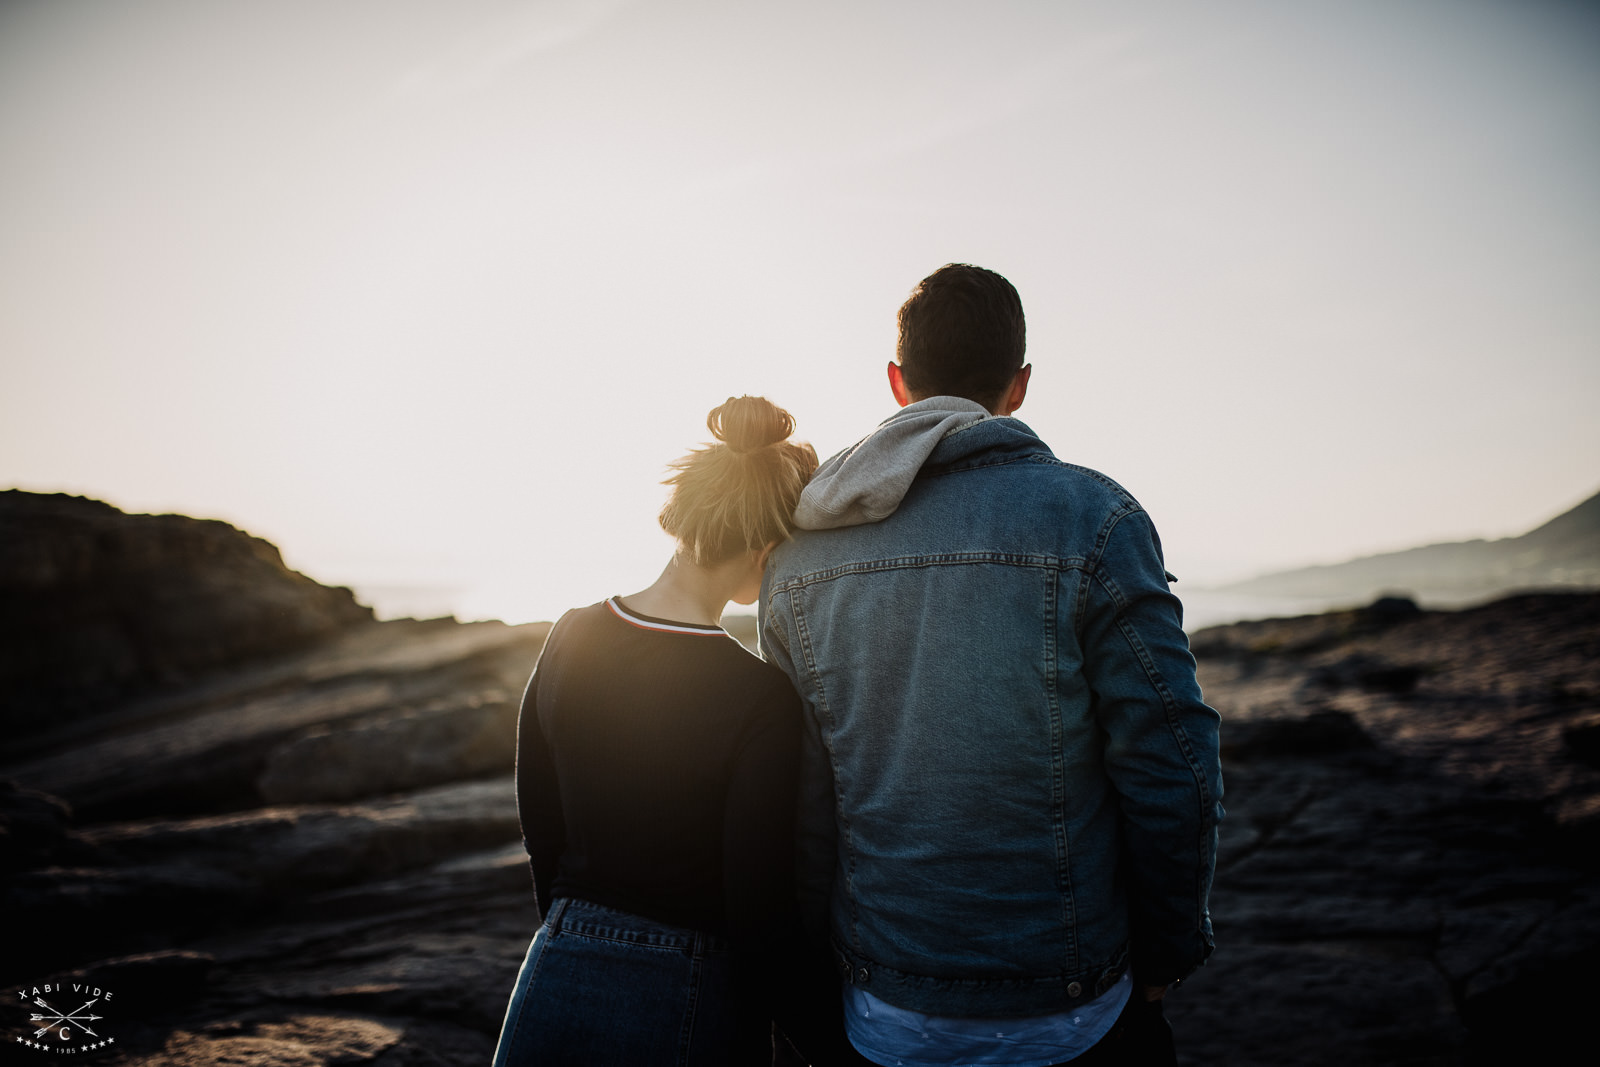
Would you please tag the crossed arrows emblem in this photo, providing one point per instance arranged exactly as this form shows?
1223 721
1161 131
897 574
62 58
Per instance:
76 1018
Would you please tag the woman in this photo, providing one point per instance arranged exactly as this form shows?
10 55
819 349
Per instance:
656 764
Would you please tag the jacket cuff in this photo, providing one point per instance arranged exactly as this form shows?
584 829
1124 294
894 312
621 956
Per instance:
1153 966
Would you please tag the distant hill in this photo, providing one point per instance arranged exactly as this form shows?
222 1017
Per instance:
1564 553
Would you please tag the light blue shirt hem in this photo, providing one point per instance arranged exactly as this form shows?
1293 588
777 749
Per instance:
898 1037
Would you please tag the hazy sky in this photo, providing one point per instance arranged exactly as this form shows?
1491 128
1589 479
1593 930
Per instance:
430 293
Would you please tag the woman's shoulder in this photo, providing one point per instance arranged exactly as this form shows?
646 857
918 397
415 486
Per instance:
770 688
575 621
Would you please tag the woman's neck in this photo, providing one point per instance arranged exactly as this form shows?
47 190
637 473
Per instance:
685 592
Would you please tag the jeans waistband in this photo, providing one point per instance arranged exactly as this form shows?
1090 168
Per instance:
571 915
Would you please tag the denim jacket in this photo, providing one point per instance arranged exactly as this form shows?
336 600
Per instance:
1011 786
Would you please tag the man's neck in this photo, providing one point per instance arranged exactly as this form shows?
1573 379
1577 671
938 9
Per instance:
914 399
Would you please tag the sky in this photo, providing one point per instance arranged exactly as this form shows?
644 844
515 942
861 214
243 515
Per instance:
429 294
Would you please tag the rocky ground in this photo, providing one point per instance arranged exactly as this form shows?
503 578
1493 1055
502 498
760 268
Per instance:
313 861
1408 871
313 858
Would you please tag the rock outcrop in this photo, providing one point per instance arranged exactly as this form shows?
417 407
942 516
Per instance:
97 605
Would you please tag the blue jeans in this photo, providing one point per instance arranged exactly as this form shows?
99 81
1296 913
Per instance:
602 986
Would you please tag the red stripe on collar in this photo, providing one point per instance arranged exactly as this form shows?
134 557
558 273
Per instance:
663 627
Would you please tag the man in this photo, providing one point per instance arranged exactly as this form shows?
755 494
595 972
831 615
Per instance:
1010 783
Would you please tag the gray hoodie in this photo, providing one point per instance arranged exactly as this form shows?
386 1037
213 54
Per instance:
866 482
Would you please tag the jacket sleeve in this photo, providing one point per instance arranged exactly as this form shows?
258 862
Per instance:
538 798
1161 752
816 833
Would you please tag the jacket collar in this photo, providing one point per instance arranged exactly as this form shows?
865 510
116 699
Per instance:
867 481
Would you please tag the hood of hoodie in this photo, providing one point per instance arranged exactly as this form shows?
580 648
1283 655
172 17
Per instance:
866 482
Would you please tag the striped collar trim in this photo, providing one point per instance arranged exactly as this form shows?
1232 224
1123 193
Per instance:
644 623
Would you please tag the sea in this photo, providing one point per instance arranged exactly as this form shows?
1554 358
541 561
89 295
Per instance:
509 603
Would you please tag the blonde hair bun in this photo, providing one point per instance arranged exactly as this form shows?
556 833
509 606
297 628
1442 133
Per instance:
747 423
741 493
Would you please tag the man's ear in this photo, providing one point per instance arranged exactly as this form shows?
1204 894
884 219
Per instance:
1018 392
897 384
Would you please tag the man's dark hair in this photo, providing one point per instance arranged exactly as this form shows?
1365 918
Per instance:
961 334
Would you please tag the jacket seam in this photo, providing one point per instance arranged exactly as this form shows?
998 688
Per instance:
1058 770
940 559
1103 538
841 820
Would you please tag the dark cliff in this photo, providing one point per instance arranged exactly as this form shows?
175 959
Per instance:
97 605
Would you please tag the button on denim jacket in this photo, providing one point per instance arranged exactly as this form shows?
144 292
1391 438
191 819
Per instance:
1011 785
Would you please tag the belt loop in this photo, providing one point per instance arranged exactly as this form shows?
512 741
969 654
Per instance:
557 910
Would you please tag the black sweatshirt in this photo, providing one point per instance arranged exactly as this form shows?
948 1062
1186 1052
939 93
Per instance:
656 773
